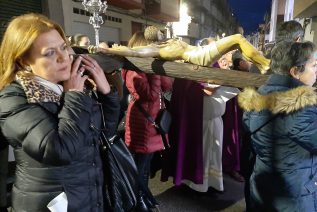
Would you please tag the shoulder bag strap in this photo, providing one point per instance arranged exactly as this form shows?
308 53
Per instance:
150 118
146 115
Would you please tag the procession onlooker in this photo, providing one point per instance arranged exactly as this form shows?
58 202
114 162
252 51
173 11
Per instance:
48 119
241 64
281 117
80 40
287 31
141 136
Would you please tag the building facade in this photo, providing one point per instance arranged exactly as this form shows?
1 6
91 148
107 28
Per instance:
121 20
124 17
210 18
304 11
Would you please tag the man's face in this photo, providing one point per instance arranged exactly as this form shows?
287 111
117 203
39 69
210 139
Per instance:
160 35
244 65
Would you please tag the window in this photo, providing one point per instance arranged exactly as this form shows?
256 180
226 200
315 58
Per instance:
75 10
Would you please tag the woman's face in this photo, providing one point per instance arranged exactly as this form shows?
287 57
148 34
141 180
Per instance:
308 77
49 57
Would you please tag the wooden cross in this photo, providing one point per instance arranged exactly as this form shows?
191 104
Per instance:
233 78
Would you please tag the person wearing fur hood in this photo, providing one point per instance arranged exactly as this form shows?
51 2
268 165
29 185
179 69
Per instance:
281 118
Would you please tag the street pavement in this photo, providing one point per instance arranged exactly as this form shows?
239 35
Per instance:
183 199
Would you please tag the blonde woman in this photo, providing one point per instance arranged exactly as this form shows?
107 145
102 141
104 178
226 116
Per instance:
48 119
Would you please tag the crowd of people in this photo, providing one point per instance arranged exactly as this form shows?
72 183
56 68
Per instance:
54 106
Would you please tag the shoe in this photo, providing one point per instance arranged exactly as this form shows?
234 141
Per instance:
142 206
151 203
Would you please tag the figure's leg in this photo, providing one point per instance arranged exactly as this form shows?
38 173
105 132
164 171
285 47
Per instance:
231 42
141 51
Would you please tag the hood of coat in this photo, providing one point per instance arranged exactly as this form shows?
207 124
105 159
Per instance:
35 91
278 102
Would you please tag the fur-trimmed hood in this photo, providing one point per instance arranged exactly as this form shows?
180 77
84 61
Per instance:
278 102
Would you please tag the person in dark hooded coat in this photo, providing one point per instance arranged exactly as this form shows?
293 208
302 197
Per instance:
281 117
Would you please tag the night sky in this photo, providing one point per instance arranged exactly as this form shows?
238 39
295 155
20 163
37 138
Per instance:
250 13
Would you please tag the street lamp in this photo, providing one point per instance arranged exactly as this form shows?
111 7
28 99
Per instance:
95 7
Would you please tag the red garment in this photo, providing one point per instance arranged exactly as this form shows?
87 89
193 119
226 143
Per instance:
140 135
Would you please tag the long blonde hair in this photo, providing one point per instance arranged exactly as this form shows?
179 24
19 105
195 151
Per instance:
18 38
138 39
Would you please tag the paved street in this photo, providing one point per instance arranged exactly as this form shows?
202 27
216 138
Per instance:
183 199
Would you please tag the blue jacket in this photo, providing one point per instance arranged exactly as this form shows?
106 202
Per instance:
285 172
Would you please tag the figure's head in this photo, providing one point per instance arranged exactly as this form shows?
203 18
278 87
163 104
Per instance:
34 44
153 34
137 39
289 31
81 40
296 59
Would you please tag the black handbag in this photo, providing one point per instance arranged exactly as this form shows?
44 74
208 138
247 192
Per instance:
162 122
121 186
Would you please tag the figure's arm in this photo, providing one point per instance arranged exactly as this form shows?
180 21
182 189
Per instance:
141 51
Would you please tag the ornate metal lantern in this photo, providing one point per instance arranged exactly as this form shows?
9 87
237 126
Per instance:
95 7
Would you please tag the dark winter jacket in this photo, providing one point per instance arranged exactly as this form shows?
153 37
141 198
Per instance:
285 172
3 142
111 109
55 145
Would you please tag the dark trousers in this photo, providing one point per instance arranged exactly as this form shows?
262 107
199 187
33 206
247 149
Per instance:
143 163
3 176
247 163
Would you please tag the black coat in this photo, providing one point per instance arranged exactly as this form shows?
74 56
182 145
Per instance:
55 146
3 143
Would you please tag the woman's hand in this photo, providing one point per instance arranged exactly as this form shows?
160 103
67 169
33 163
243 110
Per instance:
76 80
96 74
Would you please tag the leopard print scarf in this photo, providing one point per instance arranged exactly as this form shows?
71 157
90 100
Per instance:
34 90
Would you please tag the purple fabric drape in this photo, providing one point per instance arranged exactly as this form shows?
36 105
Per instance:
232 122
184 160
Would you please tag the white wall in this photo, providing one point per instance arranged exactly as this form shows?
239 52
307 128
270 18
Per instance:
105 33
289 7
274 11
